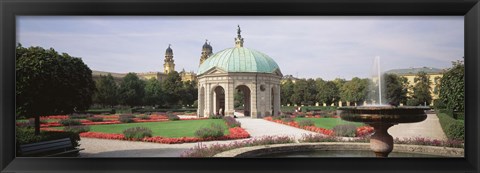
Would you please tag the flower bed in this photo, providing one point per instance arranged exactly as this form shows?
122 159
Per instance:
108 119
209 151
235 133
361 131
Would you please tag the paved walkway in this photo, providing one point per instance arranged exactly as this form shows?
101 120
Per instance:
429 128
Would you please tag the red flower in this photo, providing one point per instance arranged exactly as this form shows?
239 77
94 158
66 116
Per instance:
235 133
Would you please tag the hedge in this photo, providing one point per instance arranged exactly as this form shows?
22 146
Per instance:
308 108
144 110
101 111
26 135
454 129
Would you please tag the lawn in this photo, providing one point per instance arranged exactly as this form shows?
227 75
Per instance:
329 123
185 128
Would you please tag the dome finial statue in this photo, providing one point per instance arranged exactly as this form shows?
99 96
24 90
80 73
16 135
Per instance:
239 39
238 31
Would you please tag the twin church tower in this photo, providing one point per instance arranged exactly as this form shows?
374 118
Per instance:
169 64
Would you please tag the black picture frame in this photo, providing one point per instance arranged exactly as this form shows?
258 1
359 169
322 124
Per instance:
470 9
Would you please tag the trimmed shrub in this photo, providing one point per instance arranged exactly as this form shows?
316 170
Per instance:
172 117
300 115
69 122
231 122
76 129
215 130
95 119
79 116
346 130
137 133
281 116
303 123
144 116
31 121
213 116
101 111
144 110
288 119
126 118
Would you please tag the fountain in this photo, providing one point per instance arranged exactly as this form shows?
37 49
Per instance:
382 117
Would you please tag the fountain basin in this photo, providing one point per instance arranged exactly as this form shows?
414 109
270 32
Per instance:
339 149
381 118
383 114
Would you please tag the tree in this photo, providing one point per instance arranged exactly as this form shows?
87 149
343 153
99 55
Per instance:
299 90
153 92
238 98
327 92
189 93
354 90
452 87
286 92
396 93
310 93
50 83
339 83
172 85
132 90
106 92
421 90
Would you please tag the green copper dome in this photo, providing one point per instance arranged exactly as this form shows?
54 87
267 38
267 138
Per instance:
240 59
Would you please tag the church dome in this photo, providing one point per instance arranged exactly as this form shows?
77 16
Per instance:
169 51
240 59
206 46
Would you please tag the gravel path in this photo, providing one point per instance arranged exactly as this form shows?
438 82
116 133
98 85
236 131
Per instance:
260 127
430 128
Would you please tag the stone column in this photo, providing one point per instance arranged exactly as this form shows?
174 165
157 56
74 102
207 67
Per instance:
276 104
229 95
253 100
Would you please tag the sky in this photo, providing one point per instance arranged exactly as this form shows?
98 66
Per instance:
326 47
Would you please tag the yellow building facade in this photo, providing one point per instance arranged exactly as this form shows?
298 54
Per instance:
168 66
434 75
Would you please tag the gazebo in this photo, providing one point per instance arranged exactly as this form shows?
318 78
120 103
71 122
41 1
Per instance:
253 73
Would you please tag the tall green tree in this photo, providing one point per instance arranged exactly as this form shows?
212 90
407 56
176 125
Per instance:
50 83
106 93
421 90
396 93
355 90
153 92
452 87
173 87
327 92
189 93
286 92
310 93
299 90
339 82
132 90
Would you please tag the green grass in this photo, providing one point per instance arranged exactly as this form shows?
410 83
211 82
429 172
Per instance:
171 129
329 123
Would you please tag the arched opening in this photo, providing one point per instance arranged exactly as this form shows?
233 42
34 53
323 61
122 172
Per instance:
201 103
242 100
218 100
